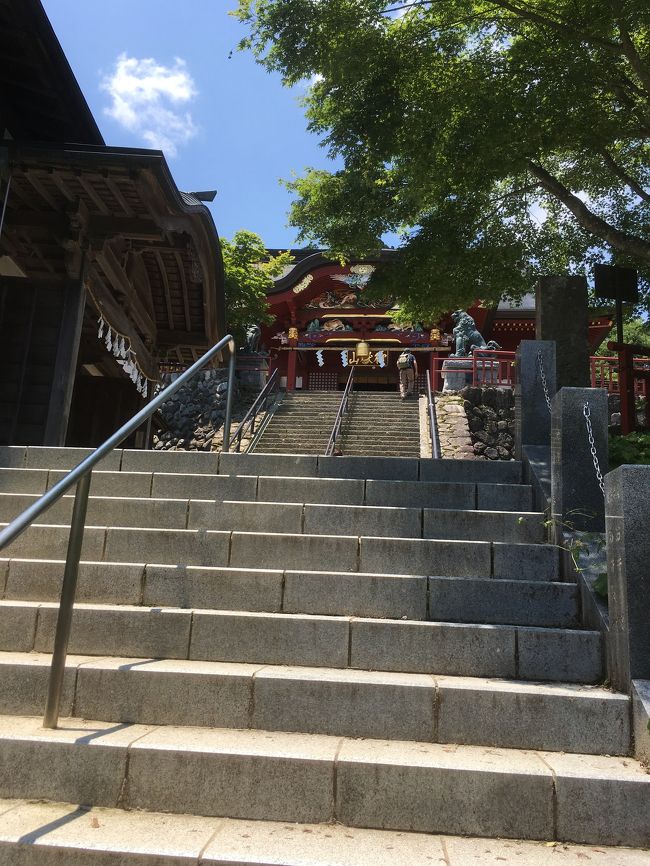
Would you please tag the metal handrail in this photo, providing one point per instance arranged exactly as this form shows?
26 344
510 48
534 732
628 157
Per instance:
81 476
251 416
342 411
433 421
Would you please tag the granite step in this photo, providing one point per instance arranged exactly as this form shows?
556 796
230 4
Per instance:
406 646
373 784
222 548
348 703
416 597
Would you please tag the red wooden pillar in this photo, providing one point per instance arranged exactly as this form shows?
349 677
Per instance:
436 379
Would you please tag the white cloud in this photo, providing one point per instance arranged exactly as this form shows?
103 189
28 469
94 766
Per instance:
147 98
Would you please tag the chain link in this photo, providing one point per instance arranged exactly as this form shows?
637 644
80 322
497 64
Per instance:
542 375
586 411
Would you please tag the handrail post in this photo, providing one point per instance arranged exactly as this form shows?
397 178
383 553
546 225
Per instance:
231 381
64 619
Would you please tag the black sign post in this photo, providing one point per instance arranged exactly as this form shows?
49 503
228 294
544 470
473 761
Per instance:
617 284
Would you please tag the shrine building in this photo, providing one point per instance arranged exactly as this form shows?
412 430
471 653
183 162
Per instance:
324 325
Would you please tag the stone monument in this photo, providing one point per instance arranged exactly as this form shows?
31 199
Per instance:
562 314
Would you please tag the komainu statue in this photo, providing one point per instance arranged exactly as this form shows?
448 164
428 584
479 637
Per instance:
467 336
253 334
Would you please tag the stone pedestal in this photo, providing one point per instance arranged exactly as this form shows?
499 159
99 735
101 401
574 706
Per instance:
576 498
457 373
532 415
628 573
562 315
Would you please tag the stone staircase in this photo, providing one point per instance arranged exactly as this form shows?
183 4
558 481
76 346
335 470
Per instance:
301 424
381 424
305 660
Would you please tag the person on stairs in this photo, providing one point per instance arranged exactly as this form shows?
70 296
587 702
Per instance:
408 370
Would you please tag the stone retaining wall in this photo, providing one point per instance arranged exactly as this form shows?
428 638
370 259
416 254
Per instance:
491 420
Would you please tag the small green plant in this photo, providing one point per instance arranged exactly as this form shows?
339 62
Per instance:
633 448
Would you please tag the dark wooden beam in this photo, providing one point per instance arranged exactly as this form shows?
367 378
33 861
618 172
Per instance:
65 365
182 338
165 282
36 182
186 300
51 221
114 271
92 194
119 198
101 228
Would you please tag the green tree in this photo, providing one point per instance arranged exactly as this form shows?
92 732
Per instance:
249 274
503 138
634 331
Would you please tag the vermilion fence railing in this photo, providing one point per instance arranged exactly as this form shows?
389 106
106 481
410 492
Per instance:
604 374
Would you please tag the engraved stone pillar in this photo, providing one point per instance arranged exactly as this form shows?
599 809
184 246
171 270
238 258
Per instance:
561 314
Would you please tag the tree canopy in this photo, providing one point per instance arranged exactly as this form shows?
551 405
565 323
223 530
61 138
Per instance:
502 138
249 273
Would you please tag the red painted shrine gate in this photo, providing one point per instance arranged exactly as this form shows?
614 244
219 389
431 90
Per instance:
324 324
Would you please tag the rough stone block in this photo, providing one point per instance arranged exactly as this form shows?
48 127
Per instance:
511 602
99 582
372 595
428 647
431 788
504 497
641 719
201 462
47 457
167 546
277 639
628 553
472 471
345 703
24 679
13 456
522 716
23 481
121 631
247 516
106 483
601 800
559 654
483 525
576 497
17 626
289 465
212 588
51 542
532 416
427 557
342 491
79 762
419 494
363 520
215 487
525 561
260 550
165 692
262 775
385 468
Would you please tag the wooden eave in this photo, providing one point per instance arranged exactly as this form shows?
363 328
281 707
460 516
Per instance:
157 256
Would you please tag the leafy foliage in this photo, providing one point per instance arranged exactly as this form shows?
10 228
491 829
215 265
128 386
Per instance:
634 331
633 448
249 274
502 138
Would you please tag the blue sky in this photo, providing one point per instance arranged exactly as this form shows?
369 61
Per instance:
158 73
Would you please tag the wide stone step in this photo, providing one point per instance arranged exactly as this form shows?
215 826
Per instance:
384 468
292 777
314 519
149 838
352 703
470 600
512 652
378 555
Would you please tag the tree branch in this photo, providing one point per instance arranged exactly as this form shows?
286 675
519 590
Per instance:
630 244
621 174
629 50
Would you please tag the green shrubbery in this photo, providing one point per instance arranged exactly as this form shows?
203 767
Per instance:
633 448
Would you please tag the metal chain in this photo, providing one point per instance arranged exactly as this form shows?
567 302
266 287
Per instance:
586 411
542 376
